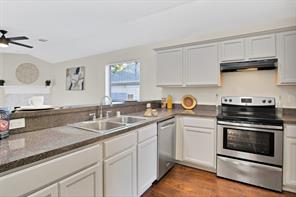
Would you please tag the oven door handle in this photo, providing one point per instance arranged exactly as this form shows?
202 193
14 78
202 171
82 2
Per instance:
254 127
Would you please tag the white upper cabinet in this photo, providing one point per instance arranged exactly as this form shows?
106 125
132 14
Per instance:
199 64
250 48
260 47
170 67
202 65
232 50
286 47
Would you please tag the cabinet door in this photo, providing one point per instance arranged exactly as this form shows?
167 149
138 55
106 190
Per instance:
201 65
86 183
120 174
50 191
147 164
261 47
290 158
286 47
48 172
169 67
199 146
232 50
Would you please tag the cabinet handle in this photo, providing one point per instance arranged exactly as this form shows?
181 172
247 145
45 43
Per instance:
167 125
198 131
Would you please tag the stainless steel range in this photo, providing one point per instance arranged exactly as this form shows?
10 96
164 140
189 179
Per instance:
250 141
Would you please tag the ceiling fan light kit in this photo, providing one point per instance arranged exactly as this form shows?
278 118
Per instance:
4 42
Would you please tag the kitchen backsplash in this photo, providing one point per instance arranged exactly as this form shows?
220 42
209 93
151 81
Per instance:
36 120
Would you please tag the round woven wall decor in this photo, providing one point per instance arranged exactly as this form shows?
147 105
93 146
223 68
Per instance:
27 73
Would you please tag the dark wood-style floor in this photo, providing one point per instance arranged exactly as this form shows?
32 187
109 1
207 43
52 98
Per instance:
183 181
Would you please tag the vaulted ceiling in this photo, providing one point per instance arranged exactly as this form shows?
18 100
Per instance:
78 28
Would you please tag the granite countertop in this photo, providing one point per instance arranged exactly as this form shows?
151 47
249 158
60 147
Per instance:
26 148
289 116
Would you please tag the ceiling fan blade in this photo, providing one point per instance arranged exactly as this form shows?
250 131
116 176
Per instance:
23 45
19 38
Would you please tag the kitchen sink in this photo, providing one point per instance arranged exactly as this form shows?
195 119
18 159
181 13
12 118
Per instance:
98 126
108 125
127 119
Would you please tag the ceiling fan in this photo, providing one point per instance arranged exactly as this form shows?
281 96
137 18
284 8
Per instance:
4 42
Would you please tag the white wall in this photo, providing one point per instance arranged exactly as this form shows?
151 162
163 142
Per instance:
8 65
248 83
95 76
11 61
255 83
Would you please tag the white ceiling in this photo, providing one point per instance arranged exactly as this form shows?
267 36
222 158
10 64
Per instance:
78 28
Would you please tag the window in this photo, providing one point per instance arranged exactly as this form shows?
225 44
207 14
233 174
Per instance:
123 81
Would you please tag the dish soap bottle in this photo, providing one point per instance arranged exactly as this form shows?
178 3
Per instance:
170 102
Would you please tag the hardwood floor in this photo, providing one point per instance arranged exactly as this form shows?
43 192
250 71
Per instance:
184 181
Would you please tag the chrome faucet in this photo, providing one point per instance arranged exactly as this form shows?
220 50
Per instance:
103 102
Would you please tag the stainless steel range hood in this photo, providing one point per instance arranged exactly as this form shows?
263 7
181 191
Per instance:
266 64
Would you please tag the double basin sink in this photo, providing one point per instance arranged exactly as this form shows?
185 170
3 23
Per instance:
109 124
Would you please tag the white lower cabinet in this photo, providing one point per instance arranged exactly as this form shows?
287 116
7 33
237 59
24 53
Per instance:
120 174
50 191
198 146
74 174
87 183
290 158
199 142
147 164
120 166
130 164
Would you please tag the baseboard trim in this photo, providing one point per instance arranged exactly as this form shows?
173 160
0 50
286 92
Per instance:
201 167
289 188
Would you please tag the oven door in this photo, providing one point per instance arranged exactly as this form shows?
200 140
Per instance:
250 143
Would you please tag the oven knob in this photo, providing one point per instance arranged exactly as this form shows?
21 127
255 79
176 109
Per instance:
225 100
269 101
230 100
263 101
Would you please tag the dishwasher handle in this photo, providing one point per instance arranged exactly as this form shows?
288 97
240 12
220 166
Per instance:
171 124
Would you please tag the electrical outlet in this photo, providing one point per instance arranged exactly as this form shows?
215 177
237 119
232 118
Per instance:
17 123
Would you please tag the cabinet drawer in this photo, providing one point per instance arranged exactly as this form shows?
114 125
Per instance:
119 144
290 130
32 178
147 132
199 122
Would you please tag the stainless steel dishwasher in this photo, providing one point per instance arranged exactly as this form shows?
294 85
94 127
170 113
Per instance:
166 146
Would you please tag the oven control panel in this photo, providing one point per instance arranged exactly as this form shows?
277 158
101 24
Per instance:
248 101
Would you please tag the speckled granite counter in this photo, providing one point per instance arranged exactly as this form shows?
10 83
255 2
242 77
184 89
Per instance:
289 116
289 119
26 148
